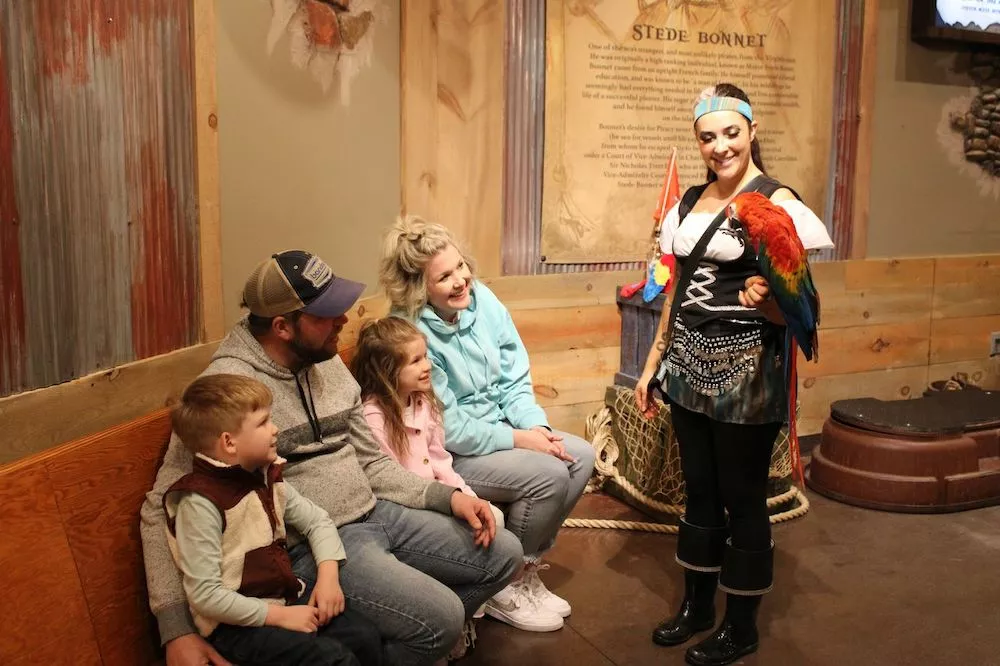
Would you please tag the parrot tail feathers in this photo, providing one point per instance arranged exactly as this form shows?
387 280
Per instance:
791 356
629 290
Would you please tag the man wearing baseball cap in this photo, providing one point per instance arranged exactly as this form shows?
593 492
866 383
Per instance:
411 568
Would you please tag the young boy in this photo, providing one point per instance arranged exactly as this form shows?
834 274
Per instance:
226 523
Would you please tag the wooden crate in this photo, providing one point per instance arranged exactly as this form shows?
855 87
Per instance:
639 322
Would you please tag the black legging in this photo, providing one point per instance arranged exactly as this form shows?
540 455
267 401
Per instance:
725 468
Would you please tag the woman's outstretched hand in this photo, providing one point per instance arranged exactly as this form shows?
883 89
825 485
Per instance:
643 398
542 440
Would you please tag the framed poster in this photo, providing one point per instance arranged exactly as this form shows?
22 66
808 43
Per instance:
621 81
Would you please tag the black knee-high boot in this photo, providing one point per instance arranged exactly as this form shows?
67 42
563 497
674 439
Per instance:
699 551
746 576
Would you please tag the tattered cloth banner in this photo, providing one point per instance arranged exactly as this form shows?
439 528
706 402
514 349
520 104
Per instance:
327 37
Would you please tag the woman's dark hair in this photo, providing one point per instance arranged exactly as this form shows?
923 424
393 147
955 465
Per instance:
729 90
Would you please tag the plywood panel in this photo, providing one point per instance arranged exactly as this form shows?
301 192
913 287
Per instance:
967 287
452 109
573 376
418 100
862 293
470 101
100 485
816 393
863 348
962 338
96 402
44 615
568 328
364 310
887 274
572 418
541 292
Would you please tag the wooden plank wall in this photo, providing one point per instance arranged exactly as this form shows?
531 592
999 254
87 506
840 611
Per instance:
890 326
570 326
452 96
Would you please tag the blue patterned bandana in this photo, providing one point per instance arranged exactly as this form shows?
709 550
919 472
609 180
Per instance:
722 104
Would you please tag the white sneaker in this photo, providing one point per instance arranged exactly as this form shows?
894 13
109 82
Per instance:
513 605
466 640
481 611
541 594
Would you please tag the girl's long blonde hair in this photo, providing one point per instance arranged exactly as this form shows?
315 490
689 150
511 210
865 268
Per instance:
407 248
376 365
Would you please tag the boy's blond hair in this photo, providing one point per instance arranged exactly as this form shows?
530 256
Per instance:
215 404
407 248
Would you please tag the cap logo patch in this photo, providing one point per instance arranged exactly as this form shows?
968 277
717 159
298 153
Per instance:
317 272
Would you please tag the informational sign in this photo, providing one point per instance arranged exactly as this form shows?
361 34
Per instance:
621 83
981 15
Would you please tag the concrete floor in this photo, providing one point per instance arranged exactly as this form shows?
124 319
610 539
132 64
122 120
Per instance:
853 587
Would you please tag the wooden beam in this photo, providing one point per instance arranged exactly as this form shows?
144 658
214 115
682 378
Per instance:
863 155
207 168
418 102
96 402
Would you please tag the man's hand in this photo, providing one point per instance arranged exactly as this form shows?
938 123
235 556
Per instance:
477 513
327 596
193 650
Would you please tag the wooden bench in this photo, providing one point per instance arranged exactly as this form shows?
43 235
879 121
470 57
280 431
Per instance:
70 554
70 550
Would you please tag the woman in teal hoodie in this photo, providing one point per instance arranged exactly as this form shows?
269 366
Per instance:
500 437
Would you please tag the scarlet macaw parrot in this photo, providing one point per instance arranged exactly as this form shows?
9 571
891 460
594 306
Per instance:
783 263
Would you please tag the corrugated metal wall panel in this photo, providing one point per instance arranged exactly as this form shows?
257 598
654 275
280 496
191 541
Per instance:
11 289
843 158
102 169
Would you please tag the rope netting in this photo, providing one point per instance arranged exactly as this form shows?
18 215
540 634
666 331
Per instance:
638 460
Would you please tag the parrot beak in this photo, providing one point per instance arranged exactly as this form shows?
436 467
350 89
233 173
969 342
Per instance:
731 212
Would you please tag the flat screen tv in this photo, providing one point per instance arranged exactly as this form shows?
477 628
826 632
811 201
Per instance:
973 22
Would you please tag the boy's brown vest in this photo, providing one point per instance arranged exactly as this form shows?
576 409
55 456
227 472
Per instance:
255 559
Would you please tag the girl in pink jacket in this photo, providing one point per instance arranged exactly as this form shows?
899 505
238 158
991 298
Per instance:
392 367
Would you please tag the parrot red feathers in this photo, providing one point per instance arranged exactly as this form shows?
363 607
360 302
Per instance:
783 262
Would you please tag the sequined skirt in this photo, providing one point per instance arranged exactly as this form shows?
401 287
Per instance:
732 372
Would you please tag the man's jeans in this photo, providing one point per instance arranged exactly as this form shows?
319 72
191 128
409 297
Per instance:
417 575
540 489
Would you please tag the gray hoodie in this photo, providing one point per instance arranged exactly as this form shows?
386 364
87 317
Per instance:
343 471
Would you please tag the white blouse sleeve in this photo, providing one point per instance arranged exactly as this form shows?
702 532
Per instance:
812 232
669 228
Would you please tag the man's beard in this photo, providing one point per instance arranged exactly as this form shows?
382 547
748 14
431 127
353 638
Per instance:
308 355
